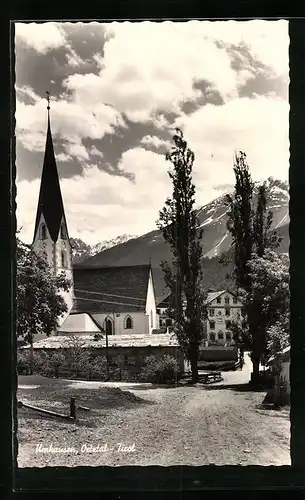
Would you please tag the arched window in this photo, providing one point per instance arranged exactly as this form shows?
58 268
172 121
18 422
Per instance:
63 259
62 232
43 232
108 326
128 323
151 318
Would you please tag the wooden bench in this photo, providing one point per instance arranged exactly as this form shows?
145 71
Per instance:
208 378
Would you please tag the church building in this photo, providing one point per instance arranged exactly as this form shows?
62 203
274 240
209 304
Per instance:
115 300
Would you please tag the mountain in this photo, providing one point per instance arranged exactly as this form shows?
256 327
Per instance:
82 250
216 241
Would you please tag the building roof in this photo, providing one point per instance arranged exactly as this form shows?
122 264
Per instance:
165 302
50 202
280 356
87 341
79 322
213 295
110 289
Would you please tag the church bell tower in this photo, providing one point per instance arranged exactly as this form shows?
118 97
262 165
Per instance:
51 238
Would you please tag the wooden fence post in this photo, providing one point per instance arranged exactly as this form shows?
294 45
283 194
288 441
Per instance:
72 408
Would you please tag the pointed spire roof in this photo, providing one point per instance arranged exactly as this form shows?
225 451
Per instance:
50 202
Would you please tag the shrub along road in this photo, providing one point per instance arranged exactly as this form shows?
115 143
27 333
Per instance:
189 425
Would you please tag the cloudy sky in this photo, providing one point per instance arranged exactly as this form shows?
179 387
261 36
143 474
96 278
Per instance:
117 92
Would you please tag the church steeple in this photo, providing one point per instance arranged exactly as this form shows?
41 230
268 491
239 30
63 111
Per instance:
51 239
50 203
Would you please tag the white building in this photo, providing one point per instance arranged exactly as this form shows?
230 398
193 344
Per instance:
222 308
279 366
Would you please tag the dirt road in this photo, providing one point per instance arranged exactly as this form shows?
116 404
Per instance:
197 425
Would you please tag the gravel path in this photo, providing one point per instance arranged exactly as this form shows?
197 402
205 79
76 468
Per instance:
189 425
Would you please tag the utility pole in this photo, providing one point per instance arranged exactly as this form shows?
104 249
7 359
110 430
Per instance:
107 354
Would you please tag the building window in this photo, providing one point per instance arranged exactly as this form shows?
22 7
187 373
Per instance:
227 300
205 336
63 235
228 324
228 336
212 325
212 337
227 311
168 322
108 326
212 312
128 323
218 300
234 300
63 259
43 232
158 311
220 335
152 318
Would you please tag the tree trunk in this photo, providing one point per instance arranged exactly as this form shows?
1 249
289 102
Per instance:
31 355
255 379
194 366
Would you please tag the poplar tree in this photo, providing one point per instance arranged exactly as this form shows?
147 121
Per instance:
179 224
249 223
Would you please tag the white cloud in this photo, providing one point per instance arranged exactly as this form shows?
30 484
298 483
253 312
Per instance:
77 150
42 37
148 70
156 142
101 206
96 152
63 157
71 121
260 127
73 58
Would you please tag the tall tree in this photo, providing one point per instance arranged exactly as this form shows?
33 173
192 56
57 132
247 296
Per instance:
250 223
39 299
179 225
240 219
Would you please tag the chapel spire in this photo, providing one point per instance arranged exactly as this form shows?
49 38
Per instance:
50 203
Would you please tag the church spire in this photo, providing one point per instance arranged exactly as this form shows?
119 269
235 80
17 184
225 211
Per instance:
50 203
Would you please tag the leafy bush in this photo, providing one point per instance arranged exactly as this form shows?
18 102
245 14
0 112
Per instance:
160 370
23 362
98 369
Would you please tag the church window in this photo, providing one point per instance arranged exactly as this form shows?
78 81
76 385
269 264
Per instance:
227 300
62 232
151 318
128 323
43 232
63 259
